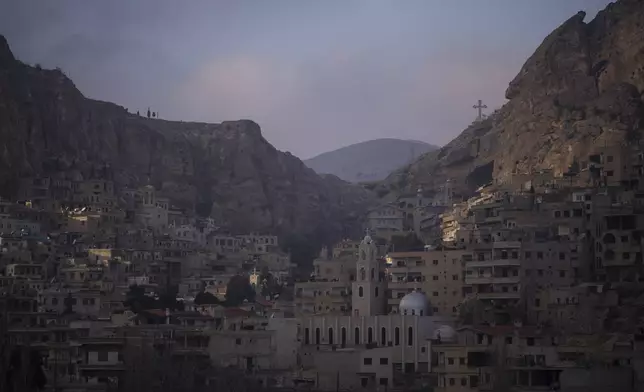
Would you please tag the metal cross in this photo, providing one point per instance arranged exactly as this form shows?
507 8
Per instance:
480 107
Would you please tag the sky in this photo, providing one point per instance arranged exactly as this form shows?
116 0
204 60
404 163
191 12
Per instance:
316 75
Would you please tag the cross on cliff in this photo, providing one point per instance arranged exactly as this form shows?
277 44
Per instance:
480 107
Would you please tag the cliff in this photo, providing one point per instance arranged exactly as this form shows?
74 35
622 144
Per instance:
227 170
581 88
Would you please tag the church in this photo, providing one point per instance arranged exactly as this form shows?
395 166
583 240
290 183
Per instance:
370 348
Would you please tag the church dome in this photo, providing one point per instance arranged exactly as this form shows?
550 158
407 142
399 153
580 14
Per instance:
445 333
415 304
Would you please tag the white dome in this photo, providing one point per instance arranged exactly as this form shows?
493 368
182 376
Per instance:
415 303
445 333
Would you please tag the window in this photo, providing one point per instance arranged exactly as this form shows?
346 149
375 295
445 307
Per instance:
435 293
528 255
383 336
610 173
360 291
557 214
562 256
307 338
609 158
452 381
384 381
435 262
626 255
454 277
317 335
102 356
370 335
562 274
356 335
463 381
343 336
435 277
508 339
624 238
376 292
238 342
461 361
330 336
410 336
367 361
450 361
474 381
384 361
540 255
364 381
530 341
397 336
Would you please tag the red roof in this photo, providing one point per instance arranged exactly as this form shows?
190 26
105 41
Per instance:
261 301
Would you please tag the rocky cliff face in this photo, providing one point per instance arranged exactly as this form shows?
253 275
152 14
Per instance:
228 170
581 88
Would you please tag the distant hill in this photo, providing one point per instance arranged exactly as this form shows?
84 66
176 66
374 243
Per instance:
372 160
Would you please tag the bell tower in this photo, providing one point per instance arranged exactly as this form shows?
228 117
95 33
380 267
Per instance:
368 298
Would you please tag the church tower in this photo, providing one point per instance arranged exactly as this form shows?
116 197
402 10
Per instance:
368 298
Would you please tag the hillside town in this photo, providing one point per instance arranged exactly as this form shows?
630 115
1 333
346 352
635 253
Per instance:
530 284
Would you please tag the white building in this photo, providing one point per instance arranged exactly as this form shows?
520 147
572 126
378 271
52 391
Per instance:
369 348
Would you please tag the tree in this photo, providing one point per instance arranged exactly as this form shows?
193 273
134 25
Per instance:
238 290
206 298
406 243
137 301
303 250
268 286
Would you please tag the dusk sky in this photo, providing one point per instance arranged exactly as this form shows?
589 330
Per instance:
316 75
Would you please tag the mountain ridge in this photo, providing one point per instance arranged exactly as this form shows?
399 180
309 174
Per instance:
368 161
581 89
228 171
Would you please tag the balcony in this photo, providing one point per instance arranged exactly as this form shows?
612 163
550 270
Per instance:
507 245
492 279
493 263
512 295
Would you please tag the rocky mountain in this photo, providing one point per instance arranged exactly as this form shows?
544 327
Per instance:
372 160
581 88
227 170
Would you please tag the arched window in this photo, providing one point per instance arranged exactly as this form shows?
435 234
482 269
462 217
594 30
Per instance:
307 338
383 336
410 336
343 336
373 274
356 336
330 335
370 335
376 291
413 312
363 274
397 336
317 335
360 291
421 312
